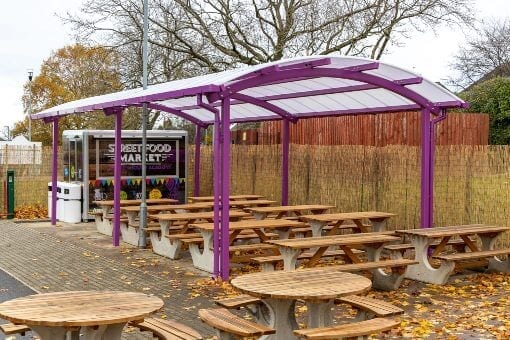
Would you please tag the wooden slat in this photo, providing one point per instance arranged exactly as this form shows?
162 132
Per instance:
346 216
350 267
367 327
83 308
10 328
222 319
324 241
378 307
238 301
474 255
315 283
249 224
168 329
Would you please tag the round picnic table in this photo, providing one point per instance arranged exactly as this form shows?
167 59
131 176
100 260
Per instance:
94 314
318 287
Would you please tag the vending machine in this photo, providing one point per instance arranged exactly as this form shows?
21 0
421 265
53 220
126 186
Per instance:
89 158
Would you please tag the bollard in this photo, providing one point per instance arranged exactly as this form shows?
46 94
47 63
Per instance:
10 194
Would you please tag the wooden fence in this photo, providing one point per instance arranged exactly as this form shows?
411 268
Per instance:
402 128
472 183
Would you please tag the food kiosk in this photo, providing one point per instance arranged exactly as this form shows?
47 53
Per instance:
89 155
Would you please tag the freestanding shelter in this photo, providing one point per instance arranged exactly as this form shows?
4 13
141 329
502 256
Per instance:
286 90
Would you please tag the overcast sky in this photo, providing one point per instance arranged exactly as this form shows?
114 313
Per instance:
30 31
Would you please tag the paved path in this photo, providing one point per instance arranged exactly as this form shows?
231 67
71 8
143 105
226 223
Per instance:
49 259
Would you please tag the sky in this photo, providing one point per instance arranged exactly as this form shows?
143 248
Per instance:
31 30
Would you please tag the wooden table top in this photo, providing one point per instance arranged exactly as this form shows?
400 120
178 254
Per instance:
284 208
232 197
468 229
307 284
161 207
250 224
137 202
194 216
79 308
324 241
346 216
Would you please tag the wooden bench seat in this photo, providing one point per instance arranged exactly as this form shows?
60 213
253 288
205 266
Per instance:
394 263
149 225
349 330
369 308
268 262
473 255
228 324
167 329
402 247
96 213
110 217
238 301
12 329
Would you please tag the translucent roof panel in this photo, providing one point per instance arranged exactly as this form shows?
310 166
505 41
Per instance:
291 89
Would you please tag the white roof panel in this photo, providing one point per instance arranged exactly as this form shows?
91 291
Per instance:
303 85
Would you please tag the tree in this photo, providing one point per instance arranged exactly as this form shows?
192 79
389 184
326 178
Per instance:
492 97
213 35
484 56
71 73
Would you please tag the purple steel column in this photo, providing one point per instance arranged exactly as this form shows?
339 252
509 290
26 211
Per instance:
285 162
116 180
225 188
426 170
196 177
216 188
54 172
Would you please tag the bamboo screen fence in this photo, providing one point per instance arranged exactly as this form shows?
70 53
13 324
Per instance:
472 183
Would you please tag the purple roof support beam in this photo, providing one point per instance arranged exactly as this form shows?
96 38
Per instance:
285 162
427 165
268 106
196 175
54 171
216 188
333 73
216 182
225 188
176 112
116 173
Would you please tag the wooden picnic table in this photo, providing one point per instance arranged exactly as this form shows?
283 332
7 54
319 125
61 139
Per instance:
162 245
204 259
104 226
318 222
318 287
232 197
422 239
93 314
373 243
288 210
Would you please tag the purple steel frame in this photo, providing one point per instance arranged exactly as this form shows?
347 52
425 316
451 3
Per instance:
196 175
231 94
225 188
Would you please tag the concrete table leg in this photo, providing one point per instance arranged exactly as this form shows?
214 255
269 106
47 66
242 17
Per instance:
379 225
105 332
317 227
203 260
129 234
495 264
289 256
423 271
382 280
162 245
319 314
50 333
282 317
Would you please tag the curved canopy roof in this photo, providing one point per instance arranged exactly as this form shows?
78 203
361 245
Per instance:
292 89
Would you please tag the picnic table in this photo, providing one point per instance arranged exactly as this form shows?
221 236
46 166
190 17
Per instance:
373 243
288 210
163 245
104 225
93 314
318 287
204 259
231 197
422 239
318 222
